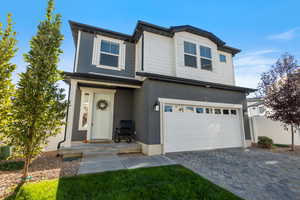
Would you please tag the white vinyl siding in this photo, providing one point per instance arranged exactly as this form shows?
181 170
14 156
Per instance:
138 55
158 54
221 72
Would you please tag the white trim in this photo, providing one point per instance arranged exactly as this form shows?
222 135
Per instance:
77 50
164 101
97 90
71 112
109 84
199 103
92 92
242 128
97 52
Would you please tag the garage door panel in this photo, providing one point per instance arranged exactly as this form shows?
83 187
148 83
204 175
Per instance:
187 131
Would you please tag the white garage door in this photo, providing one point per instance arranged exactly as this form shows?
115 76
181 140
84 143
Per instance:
189 128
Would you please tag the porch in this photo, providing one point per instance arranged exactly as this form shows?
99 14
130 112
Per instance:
96 108
109 147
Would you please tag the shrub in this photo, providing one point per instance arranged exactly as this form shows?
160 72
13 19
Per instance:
4 152
11 166
265 142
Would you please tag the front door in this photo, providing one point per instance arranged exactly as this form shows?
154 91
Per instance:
102 116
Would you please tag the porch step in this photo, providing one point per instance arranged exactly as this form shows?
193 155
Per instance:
99 148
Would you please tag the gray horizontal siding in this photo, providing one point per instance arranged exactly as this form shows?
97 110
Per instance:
159 89
85 56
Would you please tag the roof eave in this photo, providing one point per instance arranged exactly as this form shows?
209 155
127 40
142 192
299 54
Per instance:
195 82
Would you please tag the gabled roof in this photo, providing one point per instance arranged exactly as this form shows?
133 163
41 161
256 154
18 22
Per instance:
145 26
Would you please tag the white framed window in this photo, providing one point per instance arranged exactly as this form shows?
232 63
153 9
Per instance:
190 54
222 58
233 112
200 110
217 111
205 58
225 111
208 110
168 108
109 53
188 109
84 111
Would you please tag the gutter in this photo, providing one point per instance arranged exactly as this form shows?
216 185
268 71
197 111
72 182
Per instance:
194 82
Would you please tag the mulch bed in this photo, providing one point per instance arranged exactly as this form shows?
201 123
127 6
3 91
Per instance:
286 150
283 150
46 166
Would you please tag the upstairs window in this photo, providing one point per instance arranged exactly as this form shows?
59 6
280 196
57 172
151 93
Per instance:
205 58
190 54
109 53
222 58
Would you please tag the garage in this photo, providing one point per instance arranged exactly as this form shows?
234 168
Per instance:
192 125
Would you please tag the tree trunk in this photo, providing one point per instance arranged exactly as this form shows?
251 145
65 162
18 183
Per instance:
293 142
26 167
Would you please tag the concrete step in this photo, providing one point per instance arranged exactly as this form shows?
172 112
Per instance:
100 149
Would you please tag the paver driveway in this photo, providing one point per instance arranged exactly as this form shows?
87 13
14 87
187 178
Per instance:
251 174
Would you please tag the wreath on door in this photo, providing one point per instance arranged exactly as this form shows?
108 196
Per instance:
102 104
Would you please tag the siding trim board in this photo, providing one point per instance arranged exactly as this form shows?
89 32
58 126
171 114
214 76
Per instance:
100 77
194 82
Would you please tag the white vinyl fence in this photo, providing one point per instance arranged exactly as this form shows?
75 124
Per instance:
262 126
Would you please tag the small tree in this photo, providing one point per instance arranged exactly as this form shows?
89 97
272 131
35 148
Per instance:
7 52
280 89
39 105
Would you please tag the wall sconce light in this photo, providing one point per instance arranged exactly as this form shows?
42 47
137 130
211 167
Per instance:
156 106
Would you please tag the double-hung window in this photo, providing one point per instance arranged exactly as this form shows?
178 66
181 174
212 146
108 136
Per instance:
205 58
109 53
190 54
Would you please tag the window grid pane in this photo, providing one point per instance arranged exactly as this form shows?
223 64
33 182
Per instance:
190 48
205 52
206 64
110 47
222 58
109 60
190 61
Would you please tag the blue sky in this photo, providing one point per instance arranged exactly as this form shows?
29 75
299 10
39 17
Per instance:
262 29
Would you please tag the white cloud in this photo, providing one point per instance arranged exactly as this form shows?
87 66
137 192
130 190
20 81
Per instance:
287 35
250 65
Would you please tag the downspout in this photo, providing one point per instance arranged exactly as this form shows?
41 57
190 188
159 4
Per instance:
65 134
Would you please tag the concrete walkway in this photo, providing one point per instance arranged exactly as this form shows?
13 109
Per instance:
95 162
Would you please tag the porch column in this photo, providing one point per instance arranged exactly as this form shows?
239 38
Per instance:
71 112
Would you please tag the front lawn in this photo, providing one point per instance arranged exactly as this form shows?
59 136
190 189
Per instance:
167 182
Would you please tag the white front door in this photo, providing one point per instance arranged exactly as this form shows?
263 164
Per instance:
102 119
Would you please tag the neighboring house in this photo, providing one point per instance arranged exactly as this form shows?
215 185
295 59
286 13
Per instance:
177 84
260 125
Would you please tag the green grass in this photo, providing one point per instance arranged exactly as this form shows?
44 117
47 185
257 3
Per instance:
168 182
11 166
281 145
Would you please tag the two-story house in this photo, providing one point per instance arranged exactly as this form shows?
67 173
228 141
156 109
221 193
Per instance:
177 84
